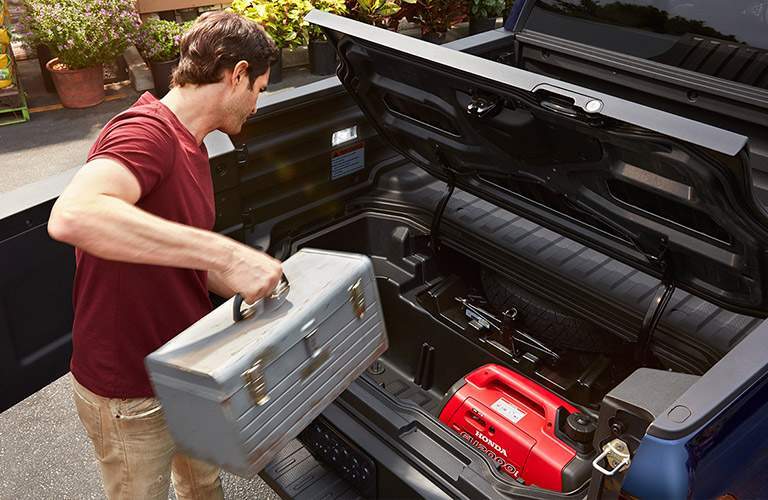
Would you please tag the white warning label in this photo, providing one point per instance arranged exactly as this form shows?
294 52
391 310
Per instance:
508 410
347 161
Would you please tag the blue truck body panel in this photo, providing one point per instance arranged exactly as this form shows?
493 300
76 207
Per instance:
728 455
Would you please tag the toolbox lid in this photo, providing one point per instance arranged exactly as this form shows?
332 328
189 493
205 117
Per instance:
217 351
663 193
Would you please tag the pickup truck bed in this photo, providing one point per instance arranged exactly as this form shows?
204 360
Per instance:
691 324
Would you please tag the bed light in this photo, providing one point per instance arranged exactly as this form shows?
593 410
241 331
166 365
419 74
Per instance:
344 135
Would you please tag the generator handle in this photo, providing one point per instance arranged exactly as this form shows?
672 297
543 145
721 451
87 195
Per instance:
538 398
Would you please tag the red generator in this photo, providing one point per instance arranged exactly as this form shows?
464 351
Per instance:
532 434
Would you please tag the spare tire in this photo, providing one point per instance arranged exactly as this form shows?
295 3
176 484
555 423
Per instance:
544 320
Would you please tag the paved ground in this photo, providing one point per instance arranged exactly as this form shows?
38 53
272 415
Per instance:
50 143
45 454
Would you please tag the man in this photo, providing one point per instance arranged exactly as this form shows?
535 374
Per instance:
140 213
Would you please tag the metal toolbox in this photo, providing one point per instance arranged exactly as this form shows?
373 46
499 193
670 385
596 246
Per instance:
238 385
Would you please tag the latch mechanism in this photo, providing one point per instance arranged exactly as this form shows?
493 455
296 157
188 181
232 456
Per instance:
317 355
255 383
357 298
616 453
482 106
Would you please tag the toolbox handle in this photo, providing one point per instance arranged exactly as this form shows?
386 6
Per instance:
268 303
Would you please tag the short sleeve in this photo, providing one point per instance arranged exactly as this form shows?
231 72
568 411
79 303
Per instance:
143 144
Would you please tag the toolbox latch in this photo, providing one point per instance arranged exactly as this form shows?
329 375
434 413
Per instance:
317 355
255 383
357 298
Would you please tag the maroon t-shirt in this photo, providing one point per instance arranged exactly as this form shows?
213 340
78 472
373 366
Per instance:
125 311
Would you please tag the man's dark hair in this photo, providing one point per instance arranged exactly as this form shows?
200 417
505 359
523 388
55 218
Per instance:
218 41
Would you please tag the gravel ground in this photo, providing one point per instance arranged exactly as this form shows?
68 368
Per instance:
45 454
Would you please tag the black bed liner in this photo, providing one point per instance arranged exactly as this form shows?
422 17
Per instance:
701 330
295 473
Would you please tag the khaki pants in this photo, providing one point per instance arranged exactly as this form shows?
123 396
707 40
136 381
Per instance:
135 451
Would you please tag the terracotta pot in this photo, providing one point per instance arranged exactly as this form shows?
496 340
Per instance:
161 73
480 24
322 57
276 69
78 88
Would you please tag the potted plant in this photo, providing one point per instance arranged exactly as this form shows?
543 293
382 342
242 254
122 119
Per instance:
483 14
83 34
322 55
158 41
283 20
436 17
380 13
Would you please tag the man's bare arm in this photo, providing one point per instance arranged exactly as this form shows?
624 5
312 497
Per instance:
218 285
96 213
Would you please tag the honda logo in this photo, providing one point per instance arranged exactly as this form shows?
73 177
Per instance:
490 443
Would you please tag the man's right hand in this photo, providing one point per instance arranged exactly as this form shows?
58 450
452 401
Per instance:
251 273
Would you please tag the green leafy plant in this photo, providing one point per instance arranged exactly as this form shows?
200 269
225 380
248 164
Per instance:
486 8
158 40
82 33
338 7
437 16
376 12
283 20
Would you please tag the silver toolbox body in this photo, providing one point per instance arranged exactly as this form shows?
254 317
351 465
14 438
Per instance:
234 393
